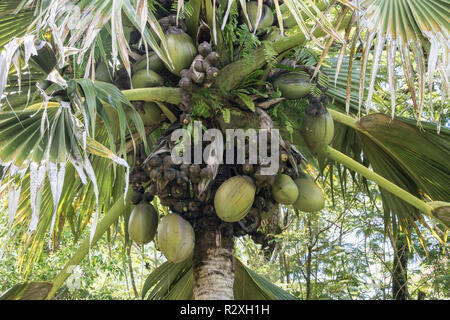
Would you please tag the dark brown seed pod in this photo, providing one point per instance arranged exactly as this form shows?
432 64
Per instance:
170 174
186 96
167 161
152 189
204 48
166 200
185 119
213 58
208 209
134 178
185 106
206 173
204 197
186 83
212 73
208 83
138 188
182 178
206 65
184 168
136 198
155 161
197 65
197 77
259 203
181 206
194 170
148 197
155 174
258 176
177 192
143 177
184 73
194 206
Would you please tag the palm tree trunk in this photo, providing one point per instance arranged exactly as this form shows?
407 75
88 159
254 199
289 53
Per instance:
213 260
400 269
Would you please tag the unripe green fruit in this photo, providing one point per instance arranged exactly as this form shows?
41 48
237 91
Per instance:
293 85
144 79
318 131
151 115
176 238
182 51
310 196
234 198
143 223
267 17
284 189
154 63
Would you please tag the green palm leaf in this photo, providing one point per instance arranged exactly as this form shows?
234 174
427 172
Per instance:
175 282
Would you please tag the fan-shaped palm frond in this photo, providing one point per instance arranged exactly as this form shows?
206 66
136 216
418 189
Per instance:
415 31
36 204
13 24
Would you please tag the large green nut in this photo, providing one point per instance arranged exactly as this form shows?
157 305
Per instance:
153 61
293 85
284 189
182 51
146 79
151 114
234 198
176 238
267 17
318 131
143 223
310 197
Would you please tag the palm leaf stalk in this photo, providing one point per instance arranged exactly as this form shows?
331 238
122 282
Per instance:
430 209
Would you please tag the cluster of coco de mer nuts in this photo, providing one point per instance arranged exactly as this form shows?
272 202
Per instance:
238 196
